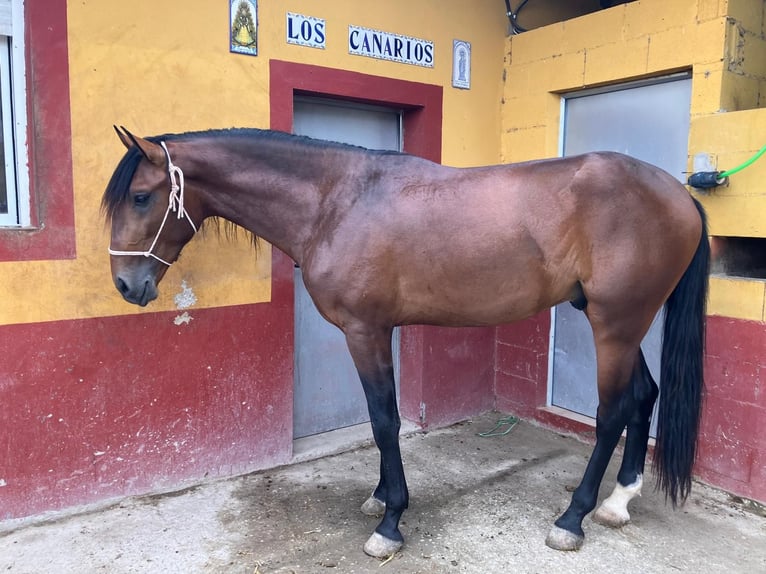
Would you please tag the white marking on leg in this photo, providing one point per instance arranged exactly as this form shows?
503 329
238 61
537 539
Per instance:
614 510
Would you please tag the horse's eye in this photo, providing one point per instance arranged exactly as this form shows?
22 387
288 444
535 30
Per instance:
141 199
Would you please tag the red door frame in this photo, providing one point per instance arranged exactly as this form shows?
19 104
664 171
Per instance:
446 374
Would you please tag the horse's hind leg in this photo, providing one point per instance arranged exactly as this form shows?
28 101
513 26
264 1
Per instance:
371 350
614 510
616 360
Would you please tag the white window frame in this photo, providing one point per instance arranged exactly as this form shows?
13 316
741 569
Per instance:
13 105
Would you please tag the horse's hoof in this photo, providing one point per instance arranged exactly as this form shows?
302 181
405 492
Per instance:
378 546
611 517
560 539
373 507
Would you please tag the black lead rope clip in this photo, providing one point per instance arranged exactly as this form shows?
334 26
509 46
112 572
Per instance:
707 179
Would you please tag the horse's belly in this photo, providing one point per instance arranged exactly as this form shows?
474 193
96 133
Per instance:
474 302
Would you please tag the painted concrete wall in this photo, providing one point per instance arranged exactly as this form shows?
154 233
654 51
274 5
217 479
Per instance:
105 399
721 43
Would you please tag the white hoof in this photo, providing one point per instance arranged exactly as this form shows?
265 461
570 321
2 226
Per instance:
373 507
378 546
613 512
560 539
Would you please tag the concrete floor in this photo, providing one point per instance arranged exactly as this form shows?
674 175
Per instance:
478 505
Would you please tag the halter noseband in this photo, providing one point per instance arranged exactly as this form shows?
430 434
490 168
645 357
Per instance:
175 204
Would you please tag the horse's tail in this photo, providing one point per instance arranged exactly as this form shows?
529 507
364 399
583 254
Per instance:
681 377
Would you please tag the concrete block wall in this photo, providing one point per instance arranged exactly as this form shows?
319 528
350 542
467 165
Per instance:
721 43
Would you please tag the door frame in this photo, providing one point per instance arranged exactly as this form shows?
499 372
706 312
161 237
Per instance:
304 380
422 106
616 87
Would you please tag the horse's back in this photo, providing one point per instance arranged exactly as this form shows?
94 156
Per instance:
490 245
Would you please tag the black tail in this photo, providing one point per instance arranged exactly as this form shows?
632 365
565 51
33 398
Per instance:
681 377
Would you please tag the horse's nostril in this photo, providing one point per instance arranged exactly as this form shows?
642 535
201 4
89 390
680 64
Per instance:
122 287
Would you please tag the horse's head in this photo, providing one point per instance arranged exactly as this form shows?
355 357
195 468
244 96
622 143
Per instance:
144 201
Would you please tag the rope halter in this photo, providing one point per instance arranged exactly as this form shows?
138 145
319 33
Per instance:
175 204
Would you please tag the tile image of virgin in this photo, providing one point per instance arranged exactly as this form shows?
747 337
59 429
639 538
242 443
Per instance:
244 30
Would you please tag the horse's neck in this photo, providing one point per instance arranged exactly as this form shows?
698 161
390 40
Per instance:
274 191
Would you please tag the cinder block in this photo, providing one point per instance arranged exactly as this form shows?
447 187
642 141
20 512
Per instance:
738 92
749 181
708 40
747 13
740 216
706 88
710 9
524 144
754 56
596 29
729 133
517 80
616 62
560 73
643 18
672 49
537 44
528 111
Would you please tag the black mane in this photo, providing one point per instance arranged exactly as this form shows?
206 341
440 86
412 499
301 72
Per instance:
116 191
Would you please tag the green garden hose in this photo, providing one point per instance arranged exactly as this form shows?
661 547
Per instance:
742 166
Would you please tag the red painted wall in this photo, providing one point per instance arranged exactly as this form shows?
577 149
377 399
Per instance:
522 365
101 408
732 443
733 434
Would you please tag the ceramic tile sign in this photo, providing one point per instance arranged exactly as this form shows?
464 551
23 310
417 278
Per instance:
388 46
305 31
244 26
461 64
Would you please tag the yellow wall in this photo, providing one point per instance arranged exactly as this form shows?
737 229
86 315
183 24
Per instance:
720 41
159 67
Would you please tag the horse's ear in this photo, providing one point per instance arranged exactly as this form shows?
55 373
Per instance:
153 152
123 137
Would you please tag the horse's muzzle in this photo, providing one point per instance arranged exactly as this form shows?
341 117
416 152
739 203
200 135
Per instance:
138 292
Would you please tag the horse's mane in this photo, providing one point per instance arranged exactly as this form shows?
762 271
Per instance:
116 191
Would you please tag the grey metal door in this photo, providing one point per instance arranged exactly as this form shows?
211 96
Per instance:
649 121
328 394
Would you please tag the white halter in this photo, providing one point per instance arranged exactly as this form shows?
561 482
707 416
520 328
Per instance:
175 204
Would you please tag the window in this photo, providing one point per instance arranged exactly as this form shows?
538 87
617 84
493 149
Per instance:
14 179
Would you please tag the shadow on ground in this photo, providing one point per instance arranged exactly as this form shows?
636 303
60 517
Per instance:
478 505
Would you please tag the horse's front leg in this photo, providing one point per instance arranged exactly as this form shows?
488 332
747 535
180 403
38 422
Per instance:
371 350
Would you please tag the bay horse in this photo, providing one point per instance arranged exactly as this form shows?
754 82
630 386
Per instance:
386 239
